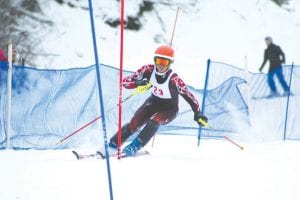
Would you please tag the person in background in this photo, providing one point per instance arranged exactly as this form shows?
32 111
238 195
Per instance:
276 57
3 58
16 58
162 105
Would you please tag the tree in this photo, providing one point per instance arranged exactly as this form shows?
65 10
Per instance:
281 2
23 24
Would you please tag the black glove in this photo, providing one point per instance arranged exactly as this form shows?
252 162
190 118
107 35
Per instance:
141 82
200 119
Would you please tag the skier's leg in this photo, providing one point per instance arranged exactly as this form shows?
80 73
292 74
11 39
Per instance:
150 129
143 138
140 117
280 77
271 82
126 133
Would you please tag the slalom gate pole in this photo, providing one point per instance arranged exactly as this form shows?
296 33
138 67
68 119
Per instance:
225 137
9 96
287 103
91 122
171 43
121 79
174 27
203 99
101 102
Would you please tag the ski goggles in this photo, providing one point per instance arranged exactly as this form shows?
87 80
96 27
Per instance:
162 61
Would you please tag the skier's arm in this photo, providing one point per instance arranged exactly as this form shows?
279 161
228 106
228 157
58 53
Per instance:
190 98
185 93
282 55
140 76
264 62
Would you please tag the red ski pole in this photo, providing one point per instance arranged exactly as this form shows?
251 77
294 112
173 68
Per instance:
91 122
241 147
137 91
225 137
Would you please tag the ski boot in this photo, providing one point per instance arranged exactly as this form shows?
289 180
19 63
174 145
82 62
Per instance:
133 147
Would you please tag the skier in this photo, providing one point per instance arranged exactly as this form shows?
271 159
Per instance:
275 55
161 107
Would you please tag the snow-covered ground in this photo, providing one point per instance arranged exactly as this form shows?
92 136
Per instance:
229 31
177 169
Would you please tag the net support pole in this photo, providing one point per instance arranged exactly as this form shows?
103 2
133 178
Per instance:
287 103
9 84
247 95
101 102
203 98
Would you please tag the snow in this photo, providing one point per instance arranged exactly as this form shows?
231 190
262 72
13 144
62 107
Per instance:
176 169
231 32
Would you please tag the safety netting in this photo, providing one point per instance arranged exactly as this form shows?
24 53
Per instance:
245 110
48 105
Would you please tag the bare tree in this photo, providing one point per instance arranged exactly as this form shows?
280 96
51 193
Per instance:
23 24
281 2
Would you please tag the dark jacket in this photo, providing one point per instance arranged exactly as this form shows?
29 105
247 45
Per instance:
275 55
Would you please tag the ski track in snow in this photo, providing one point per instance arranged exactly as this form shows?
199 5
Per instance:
176 169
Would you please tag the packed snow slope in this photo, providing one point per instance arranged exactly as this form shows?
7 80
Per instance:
177 169
228 31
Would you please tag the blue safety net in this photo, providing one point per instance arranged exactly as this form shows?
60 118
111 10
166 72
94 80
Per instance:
48 105
245 110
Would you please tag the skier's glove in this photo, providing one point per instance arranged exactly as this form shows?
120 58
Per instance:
200 119
142 86
141 82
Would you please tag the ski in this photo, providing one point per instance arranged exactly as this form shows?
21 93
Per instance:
123 155
82 156
101 155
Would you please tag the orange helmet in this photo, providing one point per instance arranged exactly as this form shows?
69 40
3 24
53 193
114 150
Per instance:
164 52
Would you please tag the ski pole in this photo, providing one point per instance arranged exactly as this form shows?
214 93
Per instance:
99 117
241 147
225 137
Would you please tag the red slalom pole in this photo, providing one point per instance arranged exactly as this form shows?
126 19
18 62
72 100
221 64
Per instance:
241 147
121 79
174 27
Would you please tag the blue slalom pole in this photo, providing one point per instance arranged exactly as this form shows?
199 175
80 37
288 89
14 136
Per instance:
288 103
101 99
203 99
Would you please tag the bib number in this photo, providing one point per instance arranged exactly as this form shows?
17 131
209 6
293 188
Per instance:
158 91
